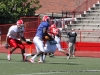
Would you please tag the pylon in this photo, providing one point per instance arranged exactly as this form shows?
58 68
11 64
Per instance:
30 50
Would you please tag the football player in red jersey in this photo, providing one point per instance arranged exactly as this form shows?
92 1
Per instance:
57 34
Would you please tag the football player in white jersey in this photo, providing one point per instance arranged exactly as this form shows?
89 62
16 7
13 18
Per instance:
14 33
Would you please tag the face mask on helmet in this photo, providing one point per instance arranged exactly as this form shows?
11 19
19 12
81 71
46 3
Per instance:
20 23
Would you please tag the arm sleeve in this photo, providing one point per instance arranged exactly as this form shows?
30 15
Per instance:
67 33
10 32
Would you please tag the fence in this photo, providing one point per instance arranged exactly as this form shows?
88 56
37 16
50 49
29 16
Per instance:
31 24
83 36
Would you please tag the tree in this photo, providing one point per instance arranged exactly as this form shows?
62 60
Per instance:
11 10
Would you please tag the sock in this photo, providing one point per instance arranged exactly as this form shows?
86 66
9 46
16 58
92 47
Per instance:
23 51
9 52
33 58
44 56
41 58
28 54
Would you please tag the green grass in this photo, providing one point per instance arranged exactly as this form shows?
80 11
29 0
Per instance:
58 65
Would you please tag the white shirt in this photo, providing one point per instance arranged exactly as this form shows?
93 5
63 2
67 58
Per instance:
15 33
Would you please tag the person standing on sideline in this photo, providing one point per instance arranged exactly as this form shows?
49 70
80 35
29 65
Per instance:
57 35
72 40
40 34
14 33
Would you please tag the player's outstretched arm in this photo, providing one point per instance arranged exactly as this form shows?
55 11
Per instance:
28 42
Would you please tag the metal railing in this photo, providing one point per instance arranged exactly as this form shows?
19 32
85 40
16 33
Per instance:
83 7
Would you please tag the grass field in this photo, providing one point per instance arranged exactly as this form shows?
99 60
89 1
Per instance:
58 65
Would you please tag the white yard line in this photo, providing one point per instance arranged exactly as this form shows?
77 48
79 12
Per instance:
53 72
43 72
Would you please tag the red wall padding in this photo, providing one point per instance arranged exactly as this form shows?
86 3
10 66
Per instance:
87 46
84 46
80 46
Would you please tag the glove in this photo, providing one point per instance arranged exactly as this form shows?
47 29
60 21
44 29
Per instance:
6 45
28 42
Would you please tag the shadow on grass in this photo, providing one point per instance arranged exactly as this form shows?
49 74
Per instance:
63 63
3 59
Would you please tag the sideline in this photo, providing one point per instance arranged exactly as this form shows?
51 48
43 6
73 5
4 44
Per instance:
53 72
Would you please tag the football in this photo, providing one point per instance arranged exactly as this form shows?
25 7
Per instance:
46 38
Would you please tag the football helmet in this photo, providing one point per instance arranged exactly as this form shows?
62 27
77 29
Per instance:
46 18
53 26
20 23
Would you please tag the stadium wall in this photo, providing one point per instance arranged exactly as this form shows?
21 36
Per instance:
80 46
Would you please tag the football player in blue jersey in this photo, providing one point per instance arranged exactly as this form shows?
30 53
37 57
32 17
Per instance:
40 34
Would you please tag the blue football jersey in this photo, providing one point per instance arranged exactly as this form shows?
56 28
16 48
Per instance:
40 29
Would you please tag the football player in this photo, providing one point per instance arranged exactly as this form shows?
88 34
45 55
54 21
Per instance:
42 31
49 47
14 33
57 34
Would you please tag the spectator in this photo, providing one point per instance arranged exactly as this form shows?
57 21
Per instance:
72 40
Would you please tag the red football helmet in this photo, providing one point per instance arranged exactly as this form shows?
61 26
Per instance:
20 22
53 26
45 18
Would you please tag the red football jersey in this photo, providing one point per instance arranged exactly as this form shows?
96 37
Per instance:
54 30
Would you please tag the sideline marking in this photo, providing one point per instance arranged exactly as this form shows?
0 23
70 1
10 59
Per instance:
53 72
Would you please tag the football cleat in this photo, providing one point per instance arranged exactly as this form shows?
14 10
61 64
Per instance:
68 57
73 55
51 55
9 57
40 62
32 61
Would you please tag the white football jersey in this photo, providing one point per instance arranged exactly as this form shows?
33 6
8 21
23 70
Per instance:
15 32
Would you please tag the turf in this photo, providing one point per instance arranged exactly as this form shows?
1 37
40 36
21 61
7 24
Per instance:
58 65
